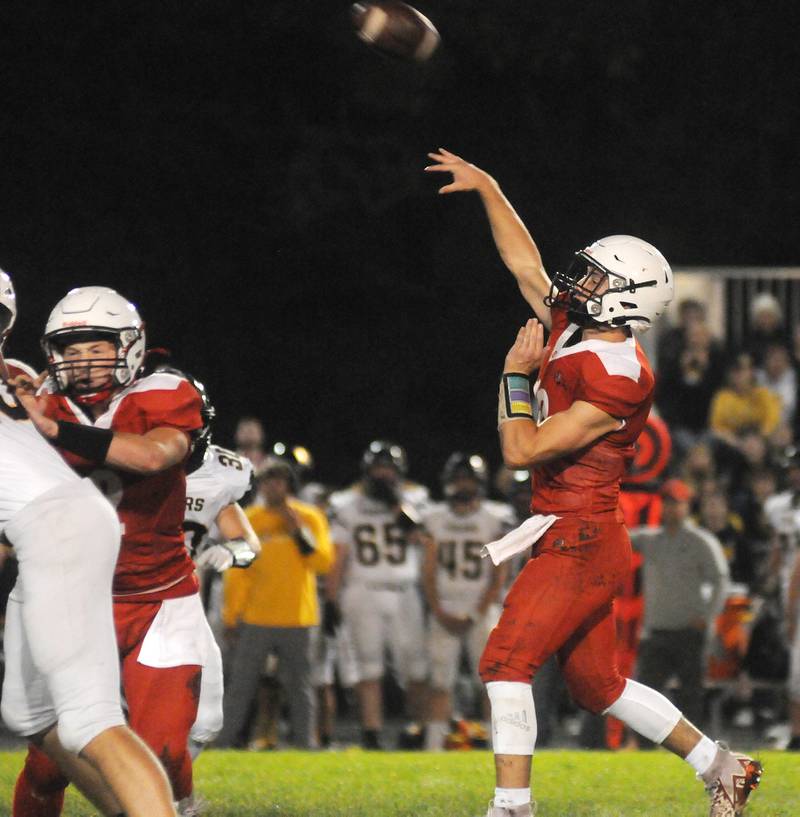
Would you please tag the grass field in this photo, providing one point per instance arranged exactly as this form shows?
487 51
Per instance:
453 784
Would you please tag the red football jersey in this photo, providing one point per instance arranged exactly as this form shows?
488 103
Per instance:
615 377
150 507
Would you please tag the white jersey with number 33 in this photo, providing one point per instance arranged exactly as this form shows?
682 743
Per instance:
222 479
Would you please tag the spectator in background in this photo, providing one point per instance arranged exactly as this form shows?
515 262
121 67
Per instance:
677 624
794 346
716 517
779 376
687 381
766 326
793 639
782 513
699 469
763 484
742 405
249 439
273 605
671 341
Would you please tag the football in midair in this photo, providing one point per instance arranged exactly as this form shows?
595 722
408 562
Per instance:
395 28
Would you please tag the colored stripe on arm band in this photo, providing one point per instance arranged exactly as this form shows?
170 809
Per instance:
515 398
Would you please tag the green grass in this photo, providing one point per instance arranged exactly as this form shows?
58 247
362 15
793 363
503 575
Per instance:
453 784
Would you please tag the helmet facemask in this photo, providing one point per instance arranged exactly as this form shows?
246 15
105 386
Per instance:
596 296
73 377
618 281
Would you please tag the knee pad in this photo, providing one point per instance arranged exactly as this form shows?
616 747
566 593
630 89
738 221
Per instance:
645 710
513 717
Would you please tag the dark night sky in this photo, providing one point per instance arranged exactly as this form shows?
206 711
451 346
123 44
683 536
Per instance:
250 175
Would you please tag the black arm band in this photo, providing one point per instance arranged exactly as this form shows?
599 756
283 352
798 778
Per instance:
86 441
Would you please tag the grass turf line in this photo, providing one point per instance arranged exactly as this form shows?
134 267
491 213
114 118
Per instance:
451 784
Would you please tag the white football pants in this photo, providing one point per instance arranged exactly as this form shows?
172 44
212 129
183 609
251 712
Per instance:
62 664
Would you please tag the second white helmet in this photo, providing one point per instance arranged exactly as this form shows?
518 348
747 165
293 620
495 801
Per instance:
8 305
88 312
639 286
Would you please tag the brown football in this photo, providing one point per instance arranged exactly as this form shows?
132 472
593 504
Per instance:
395 28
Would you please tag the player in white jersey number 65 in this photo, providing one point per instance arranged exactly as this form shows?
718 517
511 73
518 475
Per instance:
61 685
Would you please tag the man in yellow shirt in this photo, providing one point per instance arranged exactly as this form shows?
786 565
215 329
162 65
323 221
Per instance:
273 605
742 405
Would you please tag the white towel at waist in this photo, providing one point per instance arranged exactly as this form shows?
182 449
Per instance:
519 539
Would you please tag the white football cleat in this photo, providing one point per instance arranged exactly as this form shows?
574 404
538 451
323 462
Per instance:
191 806
528 810
729 781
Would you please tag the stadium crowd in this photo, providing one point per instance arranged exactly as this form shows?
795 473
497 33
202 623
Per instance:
375 596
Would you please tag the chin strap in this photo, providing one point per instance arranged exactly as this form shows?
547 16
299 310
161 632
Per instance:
93 398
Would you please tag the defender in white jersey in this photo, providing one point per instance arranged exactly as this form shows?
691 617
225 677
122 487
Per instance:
462 589
221 537
374 525
61 685
218 536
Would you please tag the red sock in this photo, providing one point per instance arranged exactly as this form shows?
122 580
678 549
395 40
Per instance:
40 787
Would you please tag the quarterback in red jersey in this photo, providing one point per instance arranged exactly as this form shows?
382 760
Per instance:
592 398
133 435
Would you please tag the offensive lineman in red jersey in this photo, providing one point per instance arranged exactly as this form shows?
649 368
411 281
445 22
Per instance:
61 682
133 436
593 394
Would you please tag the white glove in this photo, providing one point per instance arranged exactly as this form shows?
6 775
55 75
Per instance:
217 557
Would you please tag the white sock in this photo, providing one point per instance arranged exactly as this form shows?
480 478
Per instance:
702 756
435 734
508 798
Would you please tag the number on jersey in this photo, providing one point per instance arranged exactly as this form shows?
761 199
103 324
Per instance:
377 543
461 558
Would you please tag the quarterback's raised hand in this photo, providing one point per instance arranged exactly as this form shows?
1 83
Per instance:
528 350
465 175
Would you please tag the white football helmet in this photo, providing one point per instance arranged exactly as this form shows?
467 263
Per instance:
88 313
8 305
639 284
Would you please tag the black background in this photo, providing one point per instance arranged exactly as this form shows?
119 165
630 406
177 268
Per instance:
250 175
